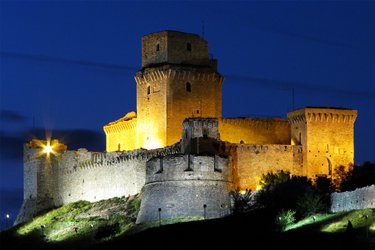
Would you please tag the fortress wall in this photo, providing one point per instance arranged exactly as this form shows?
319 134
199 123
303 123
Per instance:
360 198
298 168
93 182
71 176
84 175
179 189
255 130
121 136
30 169
254 160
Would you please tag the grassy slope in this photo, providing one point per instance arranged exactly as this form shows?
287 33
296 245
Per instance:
110 225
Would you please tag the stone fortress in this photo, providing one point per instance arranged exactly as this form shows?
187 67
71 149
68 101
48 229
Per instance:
178 150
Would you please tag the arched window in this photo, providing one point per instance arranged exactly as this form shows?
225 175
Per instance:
188 47
148 90
188 87
157 47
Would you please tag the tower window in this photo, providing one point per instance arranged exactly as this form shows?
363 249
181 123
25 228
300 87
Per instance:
148 90
157 47
188 87
188 46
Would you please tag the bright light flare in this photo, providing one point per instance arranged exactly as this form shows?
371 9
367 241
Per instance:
7 216
48 149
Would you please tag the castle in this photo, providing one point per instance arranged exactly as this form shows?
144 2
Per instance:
178 150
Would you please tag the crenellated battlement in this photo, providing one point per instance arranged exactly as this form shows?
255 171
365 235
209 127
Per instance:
256 122
175 73
86 159
186 185
182 167
334 115
121 125
264 148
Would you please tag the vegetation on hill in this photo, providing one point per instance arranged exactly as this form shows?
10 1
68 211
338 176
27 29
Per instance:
288 213
75 223
110 224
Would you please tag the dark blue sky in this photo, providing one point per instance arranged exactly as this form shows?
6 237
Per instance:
68 67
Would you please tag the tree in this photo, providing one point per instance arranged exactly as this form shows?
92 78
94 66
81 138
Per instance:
273 179
312 202
360 176
241 201
324 185
341 174
283 196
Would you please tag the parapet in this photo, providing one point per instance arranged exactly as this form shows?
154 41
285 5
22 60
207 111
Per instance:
323 114
181 167
127 122
201 127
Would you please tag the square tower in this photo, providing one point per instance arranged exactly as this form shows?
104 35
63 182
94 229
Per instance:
178 80
326 136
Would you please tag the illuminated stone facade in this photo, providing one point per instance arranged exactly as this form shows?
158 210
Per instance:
177 80
179 125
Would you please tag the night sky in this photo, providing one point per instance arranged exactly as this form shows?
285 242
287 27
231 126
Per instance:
67 68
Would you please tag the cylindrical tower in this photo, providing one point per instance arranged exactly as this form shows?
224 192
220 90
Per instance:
186 186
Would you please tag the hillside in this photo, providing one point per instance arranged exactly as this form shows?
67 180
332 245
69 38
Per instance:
110 224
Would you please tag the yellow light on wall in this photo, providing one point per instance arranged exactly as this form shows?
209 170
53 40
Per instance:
242 191
152 144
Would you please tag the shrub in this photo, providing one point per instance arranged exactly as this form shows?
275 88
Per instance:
285 218
241 202
324 185
270 179
283 196
136 203
107 230
312 203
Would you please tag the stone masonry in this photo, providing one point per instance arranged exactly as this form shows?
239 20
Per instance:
180 149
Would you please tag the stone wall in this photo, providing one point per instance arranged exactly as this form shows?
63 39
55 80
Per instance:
254 160
152 108
71 176
174 48
121 134
360 198
326 136
91 176
186 186
164 101
255 130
